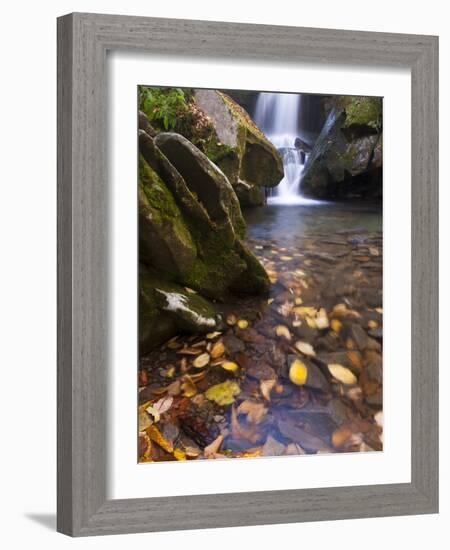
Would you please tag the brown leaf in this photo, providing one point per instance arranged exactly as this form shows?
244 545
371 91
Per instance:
341 436
212 450
255 411
266 387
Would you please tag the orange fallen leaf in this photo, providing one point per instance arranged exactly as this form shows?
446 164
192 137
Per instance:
156 436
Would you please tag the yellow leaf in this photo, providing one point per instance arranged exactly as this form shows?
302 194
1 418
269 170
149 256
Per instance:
283 332
217 350
224 393
212 335
229 366
305 348
298 301
372 324
298 373
269 301
201 361
242 323
304 311
179 454
311 322
322 319
285 258
144 420
250 453
153 412
188 387
336 325
156 436
343 374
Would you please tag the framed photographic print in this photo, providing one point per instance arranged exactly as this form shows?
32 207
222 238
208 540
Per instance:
247 274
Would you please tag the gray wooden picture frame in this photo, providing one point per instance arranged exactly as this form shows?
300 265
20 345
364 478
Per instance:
83 41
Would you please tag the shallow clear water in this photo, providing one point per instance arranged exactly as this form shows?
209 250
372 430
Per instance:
289 222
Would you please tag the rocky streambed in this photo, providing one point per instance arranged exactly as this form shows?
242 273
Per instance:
295 371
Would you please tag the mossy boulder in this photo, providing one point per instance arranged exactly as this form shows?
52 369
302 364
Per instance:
166 308
220 265
164 238
238 146
346 160
220 128
206 181
191 224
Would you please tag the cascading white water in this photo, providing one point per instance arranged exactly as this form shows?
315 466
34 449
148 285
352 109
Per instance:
277 115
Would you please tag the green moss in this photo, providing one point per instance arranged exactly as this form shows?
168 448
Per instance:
215 267
362 111
158 207
242 116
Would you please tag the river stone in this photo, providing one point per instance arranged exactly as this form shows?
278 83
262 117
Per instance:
376 332
307 441
261 371
232 344
272 447
359 336
315 378
338 411
249 195
375 400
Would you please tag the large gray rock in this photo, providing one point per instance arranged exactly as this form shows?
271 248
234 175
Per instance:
210 185
239 147
346 161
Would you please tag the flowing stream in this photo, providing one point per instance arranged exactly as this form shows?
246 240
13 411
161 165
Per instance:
277 115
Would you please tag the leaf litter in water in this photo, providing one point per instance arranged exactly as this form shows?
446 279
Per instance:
224 393
217 350
229 366
298 372
343 374
305 348
283 332
201 361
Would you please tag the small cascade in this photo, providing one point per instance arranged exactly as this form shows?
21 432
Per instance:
277 114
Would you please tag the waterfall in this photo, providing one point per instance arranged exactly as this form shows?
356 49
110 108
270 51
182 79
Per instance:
277 115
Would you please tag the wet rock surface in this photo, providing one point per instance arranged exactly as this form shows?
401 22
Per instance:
298 371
